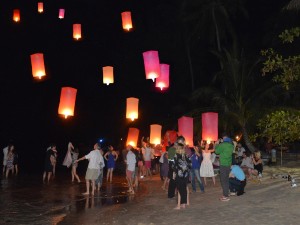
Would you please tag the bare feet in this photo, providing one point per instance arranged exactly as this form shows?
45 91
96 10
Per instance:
85 193
177 207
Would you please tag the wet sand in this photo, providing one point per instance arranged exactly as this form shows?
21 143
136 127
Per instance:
25 200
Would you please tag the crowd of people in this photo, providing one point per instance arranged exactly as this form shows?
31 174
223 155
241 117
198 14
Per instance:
179 165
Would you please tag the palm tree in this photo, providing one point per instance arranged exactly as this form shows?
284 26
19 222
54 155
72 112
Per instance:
242 94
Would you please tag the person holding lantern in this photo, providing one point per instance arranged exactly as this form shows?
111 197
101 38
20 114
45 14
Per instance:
93 169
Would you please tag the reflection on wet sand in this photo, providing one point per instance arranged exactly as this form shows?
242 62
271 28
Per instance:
25 200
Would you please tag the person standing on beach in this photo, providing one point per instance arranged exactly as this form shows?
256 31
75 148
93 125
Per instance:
111 157
49 162
93 169
225 150
130 168
99 180
5 151
10 160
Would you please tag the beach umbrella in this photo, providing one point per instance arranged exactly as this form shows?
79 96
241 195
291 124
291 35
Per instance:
61 13
133 136
151 63
40 7
126 20
186 129
155 134
132 108
210 126
77 31
67 101
163 80
37 65
16 15
108 75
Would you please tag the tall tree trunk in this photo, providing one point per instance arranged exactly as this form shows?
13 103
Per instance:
188 52
217 30
248 143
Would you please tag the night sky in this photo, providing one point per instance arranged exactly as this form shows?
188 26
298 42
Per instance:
29 107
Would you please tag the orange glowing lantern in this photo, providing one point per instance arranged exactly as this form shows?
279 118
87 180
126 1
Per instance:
186 129
108 75
133 136
37 65
126 20
155 134
210 126
61 13
163 80
16 15
67 101
40 7
77 31
151 62
132 108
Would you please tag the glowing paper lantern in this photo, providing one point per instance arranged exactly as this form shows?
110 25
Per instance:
16 15
126 20
163 80
132 108
209 126
151 62
155 134
133 136
61 13
40 7
77 31
67 101
186 129
108 75
37 65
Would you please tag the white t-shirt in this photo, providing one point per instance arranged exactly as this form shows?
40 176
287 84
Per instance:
241 150
131 160
5 151
147 152
247 162
94 158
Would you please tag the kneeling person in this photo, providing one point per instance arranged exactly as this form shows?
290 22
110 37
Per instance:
237 180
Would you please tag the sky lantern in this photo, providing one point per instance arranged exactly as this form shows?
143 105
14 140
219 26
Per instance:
126 20
133 136
132 108
186 129
155 134
163 80
40 7
108 75
16 15
61 13
67 101
210 126
37 65
77 31
151 62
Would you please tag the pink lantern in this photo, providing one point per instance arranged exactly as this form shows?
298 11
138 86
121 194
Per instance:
67 101
133 136
151 62
37 65
186 129
132 108
108 75
210 126
163 80
155 134
61 13
126 20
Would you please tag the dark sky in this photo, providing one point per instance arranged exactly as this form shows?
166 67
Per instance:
29 108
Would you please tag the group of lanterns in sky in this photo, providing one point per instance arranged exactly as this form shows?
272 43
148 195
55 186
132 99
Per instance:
153 69
185 128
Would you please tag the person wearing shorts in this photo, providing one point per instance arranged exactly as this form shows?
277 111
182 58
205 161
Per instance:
130 169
